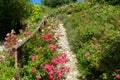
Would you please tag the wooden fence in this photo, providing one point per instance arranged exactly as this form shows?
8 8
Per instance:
18 49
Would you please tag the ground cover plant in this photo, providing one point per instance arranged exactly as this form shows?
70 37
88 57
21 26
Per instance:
93 33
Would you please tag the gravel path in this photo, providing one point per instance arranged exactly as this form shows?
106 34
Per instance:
64 47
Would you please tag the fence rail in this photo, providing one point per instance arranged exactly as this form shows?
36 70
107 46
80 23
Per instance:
18 49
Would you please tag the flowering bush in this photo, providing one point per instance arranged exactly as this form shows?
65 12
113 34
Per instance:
94 35
40 60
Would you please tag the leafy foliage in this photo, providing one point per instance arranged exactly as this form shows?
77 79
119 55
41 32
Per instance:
40 57
36 13
11 14
93 34
55 3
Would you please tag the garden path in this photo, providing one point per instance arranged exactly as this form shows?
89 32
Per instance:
65 47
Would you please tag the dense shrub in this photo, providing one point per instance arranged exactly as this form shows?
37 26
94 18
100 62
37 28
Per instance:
94 36
55 3
40 57
37 13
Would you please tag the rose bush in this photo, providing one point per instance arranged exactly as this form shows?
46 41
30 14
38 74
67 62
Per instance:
94 35
39 57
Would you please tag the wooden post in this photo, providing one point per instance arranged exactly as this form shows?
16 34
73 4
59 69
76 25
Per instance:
45 20
18 63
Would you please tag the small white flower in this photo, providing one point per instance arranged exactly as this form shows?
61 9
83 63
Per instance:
12 31
42 30
8 34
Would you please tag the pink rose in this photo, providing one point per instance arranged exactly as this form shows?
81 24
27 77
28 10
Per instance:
104 32
34 58
49 68
6 43
14 55
51 77
38 77
52 47
118 76
99 51
40 48
7 55
59 73
94 38
41 65
10 49
87 54
27 33
116 70
34 70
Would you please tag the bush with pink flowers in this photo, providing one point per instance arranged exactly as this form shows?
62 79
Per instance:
41 60
94 36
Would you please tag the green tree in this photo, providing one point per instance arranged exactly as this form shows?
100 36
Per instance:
11 14
55 3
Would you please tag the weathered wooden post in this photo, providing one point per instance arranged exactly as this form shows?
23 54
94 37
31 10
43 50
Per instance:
45 20
18 62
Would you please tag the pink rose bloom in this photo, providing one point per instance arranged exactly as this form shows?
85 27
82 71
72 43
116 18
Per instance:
104 32
118 76
64 58
94 38
6 43
40 48
7 55
41 65
87 54
52 47
47 37
44 37
51 77
59 73
38 77
66 69
49 68
61 59
10 49
34 70
27 33
55 61
99 51
14 55
96 46
116 70
34 58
